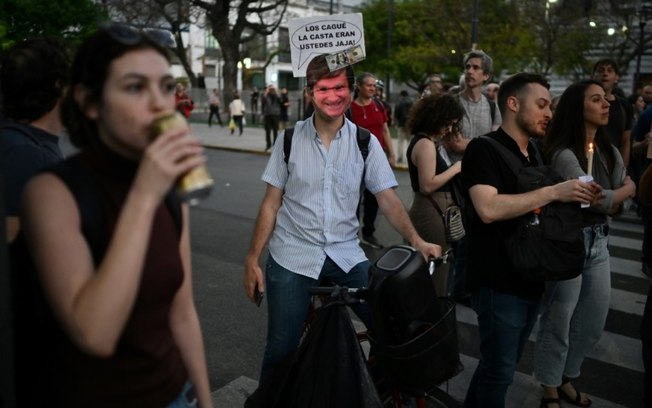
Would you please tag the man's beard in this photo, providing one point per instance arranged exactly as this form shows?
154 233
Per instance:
527 127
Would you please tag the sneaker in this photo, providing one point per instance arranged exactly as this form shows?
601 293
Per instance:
371 241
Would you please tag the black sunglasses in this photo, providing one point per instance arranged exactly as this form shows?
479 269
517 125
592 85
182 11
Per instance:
128 35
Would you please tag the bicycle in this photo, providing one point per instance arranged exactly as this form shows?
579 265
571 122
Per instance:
392 395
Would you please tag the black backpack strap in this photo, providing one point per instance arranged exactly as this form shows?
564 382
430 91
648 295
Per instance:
287 143
510 158
363 135
492 108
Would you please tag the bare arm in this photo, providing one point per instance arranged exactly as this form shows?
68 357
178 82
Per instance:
184 324
424 156
262 231
93 305
392 207
627 190
492 206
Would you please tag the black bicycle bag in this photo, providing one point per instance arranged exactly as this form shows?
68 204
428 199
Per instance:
414 334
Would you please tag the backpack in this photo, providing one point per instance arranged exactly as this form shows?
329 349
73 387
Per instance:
548 243
362 135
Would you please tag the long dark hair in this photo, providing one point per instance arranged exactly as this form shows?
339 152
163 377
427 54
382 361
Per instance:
567 129
90 70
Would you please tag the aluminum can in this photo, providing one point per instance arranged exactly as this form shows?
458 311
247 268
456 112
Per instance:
195 184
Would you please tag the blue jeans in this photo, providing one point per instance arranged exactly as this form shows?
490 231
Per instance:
457 271
186 399
574 314
505 322
287 304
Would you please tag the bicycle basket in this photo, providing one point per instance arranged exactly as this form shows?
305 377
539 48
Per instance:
426 360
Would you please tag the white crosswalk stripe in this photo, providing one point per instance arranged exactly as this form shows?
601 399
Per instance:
614 352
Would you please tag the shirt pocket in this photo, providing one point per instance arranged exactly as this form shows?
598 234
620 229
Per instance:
349 180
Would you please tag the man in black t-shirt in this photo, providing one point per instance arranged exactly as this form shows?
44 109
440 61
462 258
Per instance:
507 306
619 127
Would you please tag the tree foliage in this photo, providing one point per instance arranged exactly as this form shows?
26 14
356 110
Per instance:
172 15
535 35
235 23
71 19
426 38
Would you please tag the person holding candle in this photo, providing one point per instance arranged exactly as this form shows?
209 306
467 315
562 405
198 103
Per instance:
575 310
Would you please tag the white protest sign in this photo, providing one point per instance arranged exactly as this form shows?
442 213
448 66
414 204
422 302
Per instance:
311 36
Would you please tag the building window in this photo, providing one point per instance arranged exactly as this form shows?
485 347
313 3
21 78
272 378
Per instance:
284 54
287 80
256 49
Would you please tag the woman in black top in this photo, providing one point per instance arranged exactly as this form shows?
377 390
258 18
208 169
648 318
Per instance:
432 118
112 256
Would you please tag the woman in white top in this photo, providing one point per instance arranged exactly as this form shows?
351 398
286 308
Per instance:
237 111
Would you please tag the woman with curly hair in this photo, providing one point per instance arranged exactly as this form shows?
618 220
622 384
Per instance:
432 119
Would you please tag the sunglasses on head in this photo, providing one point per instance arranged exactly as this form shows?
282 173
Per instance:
128 35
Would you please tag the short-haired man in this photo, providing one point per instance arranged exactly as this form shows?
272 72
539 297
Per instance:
506 305
34 77
619 127
433 86
491 91
646 93
481 117
308 212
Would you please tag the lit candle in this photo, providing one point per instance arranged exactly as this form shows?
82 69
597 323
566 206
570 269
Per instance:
589 167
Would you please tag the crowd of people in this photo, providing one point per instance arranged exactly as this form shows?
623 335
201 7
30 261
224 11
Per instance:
106 274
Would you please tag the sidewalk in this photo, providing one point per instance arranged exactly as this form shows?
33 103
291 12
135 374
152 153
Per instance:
251 141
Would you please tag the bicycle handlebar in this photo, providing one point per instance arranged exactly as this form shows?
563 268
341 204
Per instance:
355 295
444 259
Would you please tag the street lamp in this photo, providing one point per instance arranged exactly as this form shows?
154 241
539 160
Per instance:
243 66
474 25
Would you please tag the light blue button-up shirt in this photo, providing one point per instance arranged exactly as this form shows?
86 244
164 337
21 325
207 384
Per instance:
322 187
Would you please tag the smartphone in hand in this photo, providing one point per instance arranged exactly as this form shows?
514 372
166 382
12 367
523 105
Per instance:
258 296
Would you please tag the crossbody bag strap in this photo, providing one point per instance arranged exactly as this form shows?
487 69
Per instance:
434 203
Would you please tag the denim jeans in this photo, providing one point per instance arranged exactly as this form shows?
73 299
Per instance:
505 322
287 304
574 314
457 271
186 399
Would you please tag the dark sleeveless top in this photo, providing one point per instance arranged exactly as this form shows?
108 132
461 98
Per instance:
440 167
146 369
